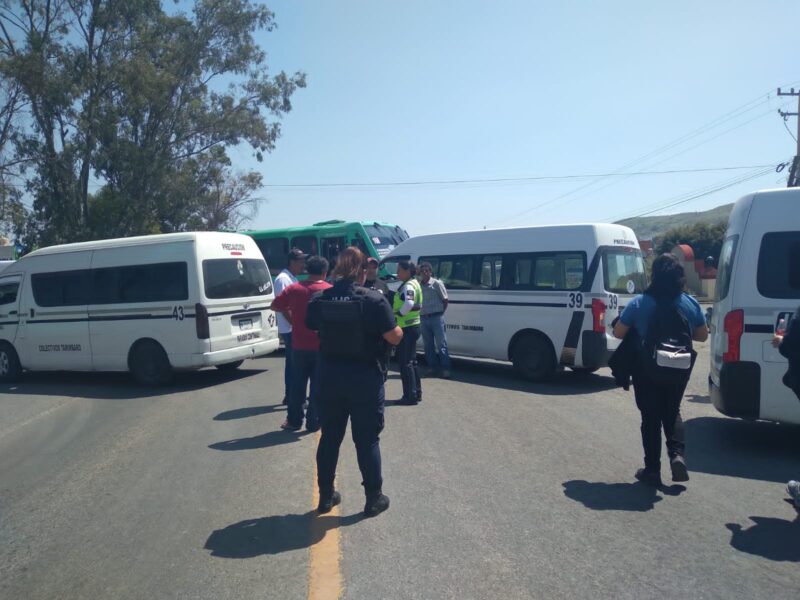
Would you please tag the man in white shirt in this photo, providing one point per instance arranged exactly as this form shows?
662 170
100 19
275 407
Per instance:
296 264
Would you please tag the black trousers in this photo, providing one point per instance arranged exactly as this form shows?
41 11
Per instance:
660 406
407 360
354 392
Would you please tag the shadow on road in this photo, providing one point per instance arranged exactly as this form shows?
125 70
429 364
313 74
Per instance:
502 376
265 440
752 450
117 386
698 399
275 534
248 411
774 539
598 495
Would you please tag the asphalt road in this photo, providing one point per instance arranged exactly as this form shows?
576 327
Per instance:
499 489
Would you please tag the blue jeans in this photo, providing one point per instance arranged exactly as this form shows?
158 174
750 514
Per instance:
407 361
304 369
433 334
287 366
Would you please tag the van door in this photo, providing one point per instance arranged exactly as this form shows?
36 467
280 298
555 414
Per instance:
9 307
54 310
778 279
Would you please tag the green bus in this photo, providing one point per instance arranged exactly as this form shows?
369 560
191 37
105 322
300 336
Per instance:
327 239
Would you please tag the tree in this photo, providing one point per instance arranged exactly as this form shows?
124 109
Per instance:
128 97
705 239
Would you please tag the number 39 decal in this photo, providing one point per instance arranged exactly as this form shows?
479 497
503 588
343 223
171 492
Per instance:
575 300
613 301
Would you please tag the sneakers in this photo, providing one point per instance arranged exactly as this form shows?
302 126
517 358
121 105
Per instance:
679 471
650 478
793 488
376 504
286 426
327 501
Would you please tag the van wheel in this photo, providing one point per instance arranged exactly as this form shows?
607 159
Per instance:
231 366
533 357
10 369
149 364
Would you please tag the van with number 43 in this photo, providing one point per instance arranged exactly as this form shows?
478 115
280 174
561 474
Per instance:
540 297
149 305
758 292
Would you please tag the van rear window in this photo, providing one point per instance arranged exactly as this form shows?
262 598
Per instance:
779 265
236 278
623 271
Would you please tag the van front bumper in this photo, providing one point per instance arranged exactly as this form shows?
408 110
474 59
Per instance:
739 391
229 355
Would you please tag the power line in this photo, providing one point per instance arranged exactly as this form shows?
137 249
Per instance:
502 179
708 192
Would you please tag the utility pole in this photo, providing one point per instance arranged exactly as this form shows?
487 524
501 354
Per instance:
794 172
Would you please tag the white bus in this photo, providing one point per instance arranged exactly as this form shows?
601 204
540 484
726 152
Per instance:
758 288
540 297
148 305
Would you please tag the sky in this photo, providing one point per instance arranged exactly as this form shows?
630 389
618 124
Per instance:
404 93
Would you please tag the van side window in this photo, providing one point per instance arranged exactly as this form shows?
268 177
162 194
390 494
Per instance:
306 243
559 271
141 283
727 256
275 251
779 265
67 288
456 272
8 292
491 269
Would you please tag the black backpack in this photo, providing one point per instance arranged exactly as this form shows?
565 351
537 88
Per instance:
668 353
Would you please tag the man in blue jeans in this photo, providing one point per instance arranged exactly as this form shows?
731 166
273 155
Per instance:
434 305
295 265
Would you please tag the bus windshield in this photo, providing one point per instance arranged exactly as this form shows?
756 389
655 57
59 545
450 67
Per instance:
384 237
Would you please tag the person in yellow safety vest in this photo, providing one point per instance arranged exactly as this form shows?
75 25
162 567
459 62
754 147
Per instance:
407 304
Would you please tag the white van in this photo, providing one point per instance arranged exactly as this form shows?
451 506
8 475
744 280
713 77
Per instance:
758 285
539 297
147 305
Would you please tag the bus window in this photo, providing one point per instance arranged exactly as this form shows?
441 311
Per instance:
331 248
275 251
306 243
623 271
384 238
491 268
359 243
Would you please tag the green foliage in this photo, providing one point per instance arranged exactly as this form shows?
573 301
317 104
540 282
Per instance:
123 93
648 228
705 239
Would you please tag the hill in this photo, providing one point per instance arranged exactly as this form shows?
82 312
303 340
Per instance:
646 228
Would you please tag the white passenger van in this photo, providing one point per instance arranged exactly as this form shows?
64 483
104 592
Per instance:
148 305
758 286
539 297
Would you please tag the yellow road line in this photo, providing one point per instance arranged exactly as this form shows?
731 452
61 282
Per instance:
324 574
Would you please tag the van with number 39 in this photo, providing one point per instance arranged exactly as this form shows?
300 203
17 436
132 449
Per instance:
540 297
150 305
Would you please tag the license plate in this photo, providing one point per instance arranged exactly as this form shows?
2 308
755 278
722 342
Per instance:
245 324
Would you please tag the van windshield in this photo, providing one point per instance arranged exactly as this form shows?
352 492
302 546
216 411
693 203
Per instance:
236 278
623 271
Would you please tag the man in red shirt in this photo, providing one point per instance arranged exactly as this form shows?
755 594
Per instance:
293 304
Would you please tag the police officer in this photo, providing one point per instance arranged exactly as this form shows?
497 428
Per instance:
407 305
355 325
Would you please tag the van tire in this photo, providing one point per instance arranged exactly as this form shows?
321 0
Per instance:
149 364
533 357
231 366
10 369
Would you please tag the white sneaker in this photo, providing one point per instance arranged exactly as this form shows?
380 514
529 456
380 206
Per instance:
793 488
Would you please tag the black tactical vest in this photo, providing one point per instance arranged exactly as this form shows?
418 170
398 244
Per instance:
342 334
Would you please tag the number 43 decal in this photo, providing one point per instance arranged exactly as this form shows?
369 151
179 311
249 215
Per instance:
177 313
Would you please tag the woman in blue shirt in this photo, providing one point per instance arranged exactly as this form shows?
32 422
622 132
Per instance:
660 404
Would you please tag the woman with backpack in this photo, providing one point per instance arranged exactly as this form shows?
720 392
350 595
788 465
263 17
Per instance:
666 320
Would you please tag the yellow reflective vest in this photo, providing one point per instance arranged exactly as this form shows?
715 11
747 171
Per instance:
412 317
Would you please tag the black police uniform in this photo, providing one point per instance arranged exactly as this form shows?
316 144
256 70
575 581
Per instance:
351 321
